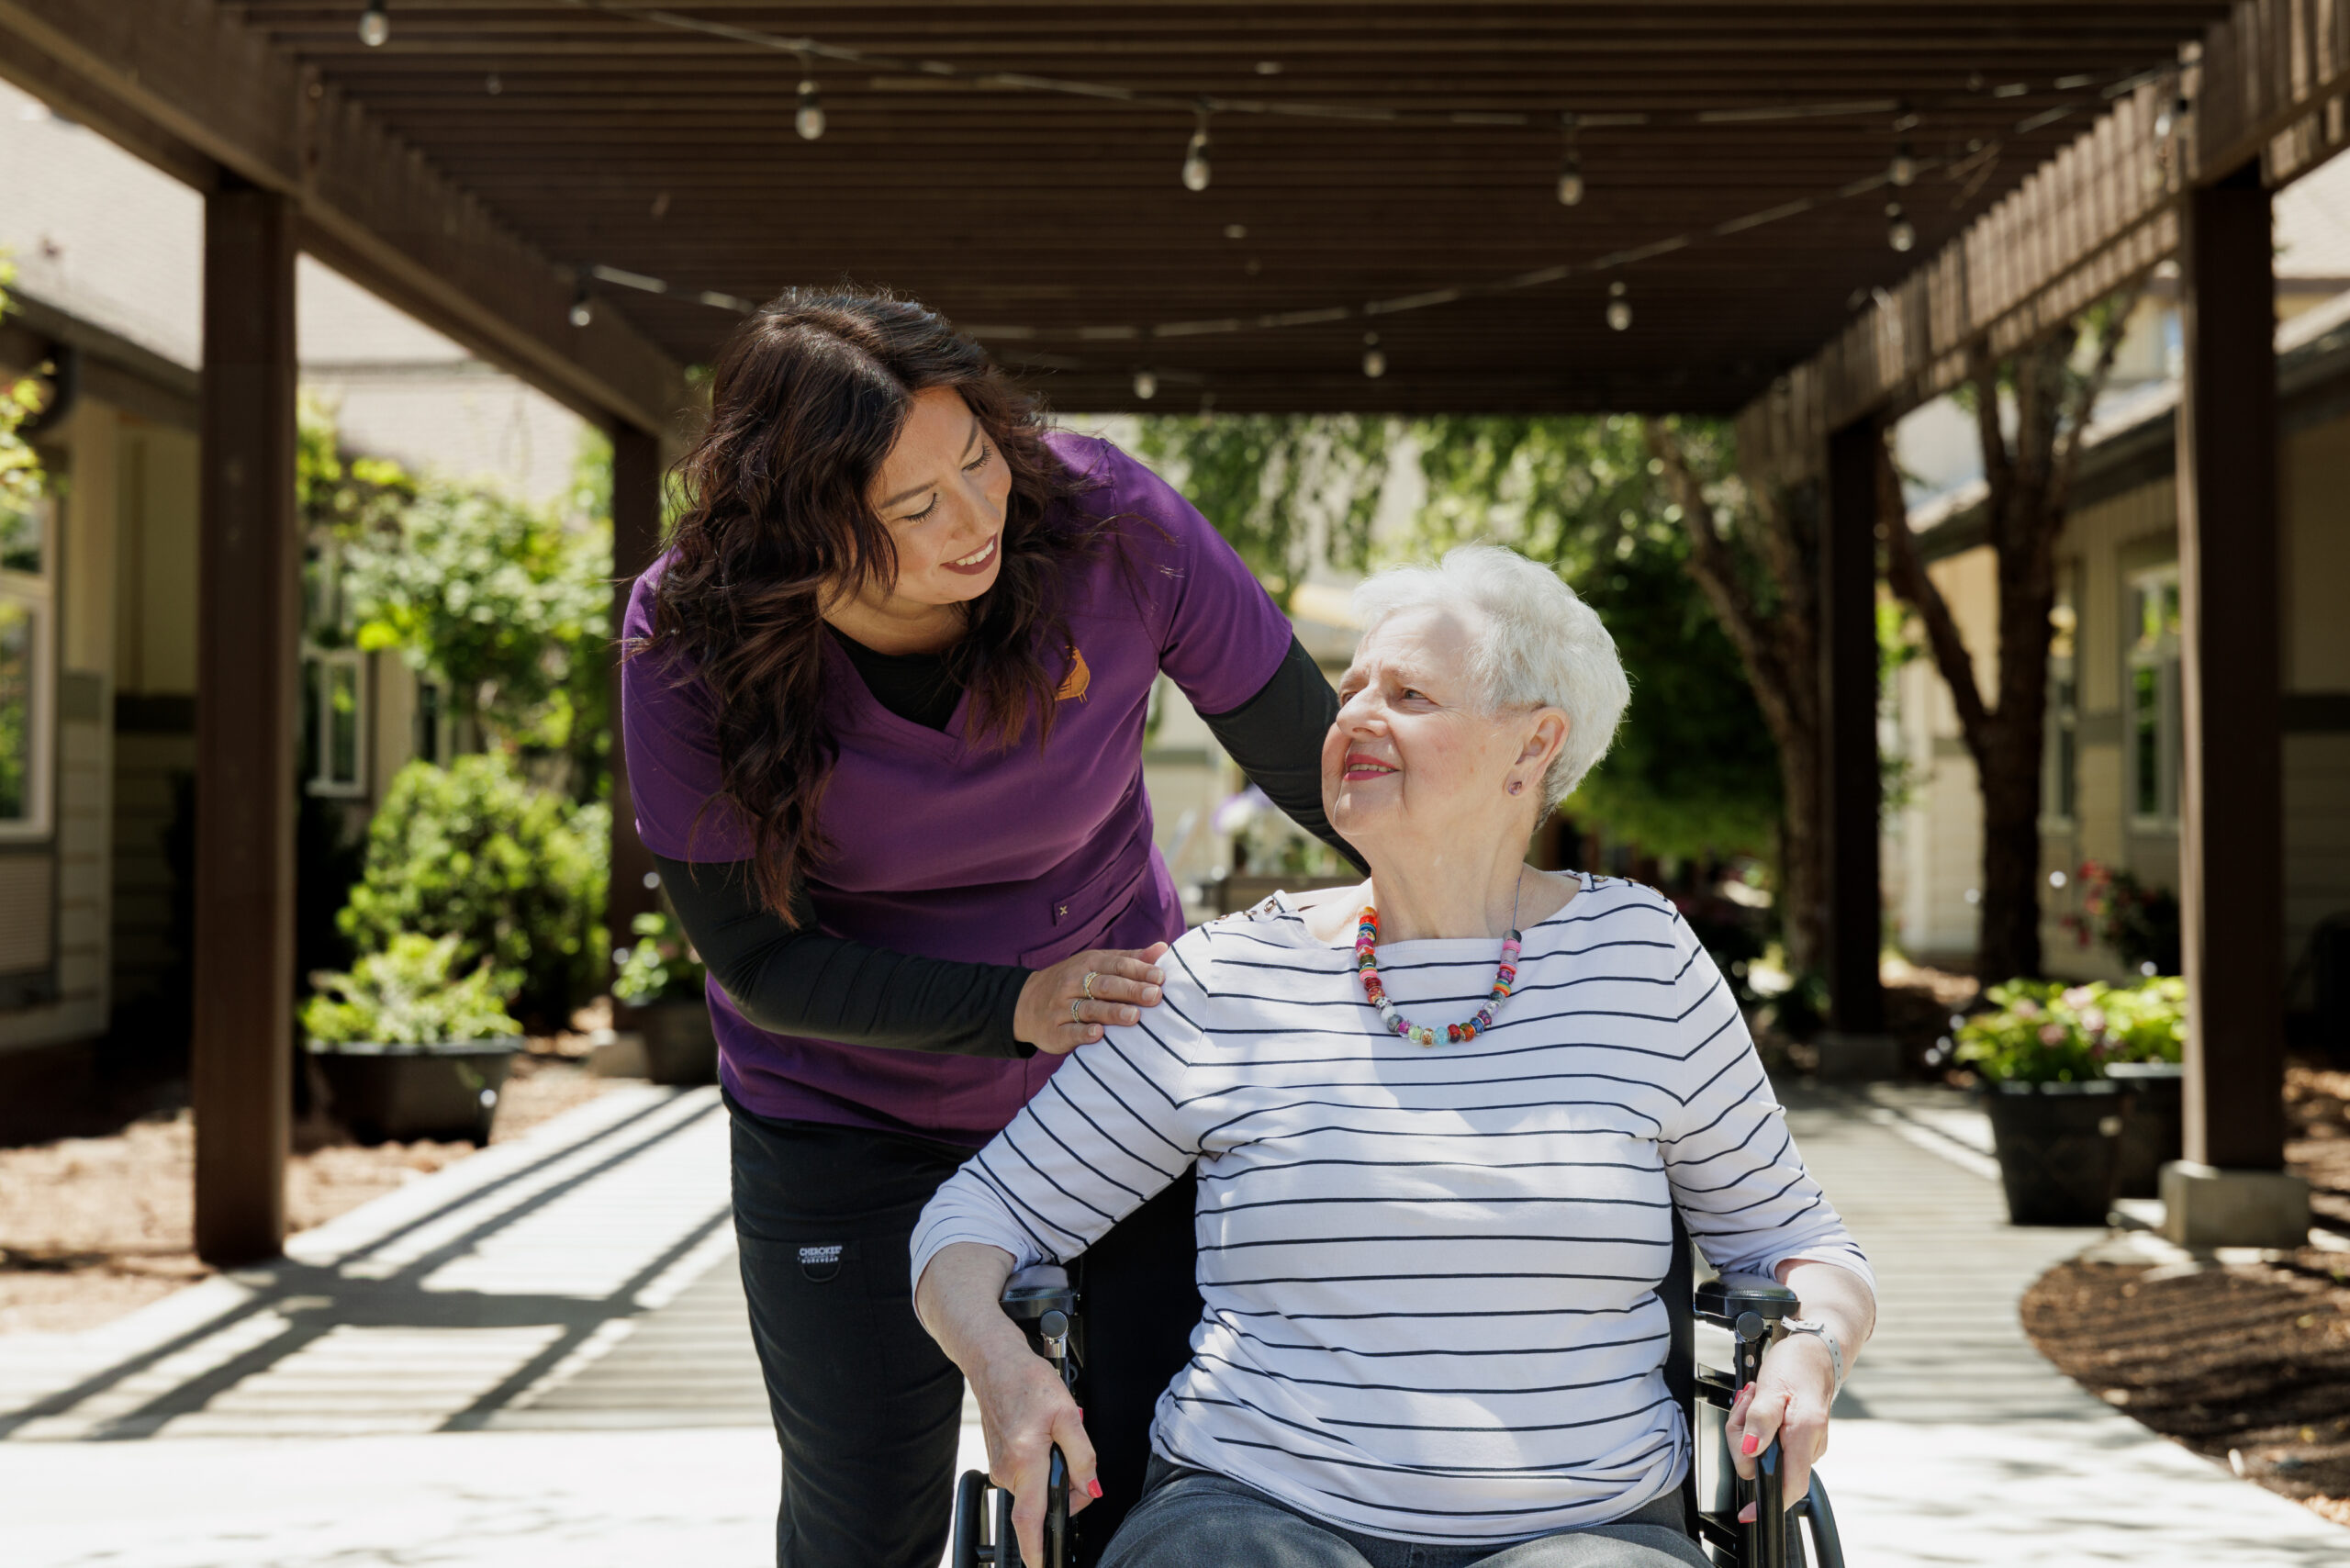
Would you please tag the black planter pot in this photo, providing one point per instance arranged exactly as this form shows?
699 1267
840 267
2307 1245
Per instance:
678 1046
397 1092
2056 1144
2153 1124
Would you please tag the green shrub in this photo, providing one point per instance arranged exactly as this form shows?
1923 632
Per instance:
2047 1031
404 996
662 967
516 875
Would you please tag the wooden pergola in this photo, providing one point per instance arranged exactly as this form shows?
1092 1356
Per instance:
1812 213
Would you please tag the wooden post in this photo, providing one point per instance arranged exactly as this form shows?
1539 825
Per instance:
248 598
2231 850
1851 789
636 537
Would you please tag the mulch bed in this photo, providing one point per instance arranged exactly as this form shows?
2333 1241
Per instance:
2249 1363
93 1228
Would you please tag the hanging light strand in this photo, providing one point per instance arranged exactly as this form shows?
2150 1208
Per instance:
1196 155
1570 187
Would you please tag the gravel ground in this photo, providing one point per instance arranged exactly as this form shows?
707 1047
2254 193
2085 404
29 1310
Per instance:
2249 1363
94 1227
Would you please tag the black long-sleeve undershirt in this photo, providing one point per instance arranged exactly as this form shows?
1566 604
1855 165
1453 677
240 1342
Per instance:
806 983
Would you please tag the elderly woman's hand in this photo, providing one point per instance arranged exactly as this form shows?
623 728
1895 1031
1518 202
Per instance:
1788 1401
1789 1398
1065 1006
1023 1407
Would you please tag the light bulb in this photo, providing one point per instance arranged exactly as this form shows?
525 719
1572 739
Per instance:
1903 168
810 121
375 24
1374 358
1900 233
1619 310
583 309
1195 162
1571 182
1146 386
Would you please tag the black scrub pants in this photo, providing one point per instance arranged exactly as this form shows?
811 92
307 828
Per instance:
867 1407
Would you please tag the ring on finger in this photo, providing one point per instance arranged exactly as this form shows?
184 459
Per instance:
1090 976
1074 1004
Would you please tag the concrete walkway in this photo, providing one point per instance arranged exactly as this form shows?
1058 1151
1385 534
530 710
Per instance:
538 1356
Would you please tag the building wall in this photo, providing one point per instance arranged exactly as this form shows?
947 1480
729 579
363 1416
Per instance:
1938 838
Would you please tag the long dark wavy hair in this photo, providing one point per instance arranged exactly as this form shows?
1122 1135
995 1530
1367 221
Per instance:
806 401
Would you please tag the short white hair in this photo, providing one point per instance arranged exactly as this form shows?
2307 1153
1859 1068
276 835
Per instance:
1536 645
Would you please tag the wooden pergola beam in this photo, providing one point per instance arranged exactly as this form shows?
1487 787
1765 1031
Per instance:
2268 84
187 85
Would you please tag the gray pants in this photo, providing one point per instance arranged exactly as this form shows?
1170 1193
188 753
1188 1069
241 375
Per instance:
1195 1518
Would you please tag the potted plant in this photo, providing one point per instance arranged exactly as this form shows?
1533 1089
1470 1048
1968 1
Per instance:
2143 1029
2048 1055
407 1051
660 983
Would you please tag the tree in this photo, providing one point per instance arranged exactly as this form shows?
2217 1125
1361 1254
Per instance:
493 598
1754 554
1282 491
2053 386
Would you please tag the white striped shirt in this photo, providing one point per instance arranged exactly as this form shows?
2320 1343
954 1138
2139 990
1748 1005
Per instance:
1430 1274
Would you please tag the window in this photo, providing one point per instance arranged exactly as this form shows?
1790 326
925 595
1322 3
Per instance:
334 682
2060 752
334 707
2151 703
28 716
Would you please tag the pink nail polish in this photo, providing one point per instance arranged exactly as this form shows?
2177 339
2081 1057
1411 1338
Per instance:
1093 1488
1753 1445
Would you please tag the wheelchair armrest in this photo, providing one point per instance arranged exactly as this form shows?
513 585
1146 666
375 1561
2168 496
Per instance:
1037 1290
1730 1298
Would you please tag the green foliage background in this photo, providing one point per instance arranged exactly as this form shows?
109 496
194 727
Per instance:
516 875
1692 770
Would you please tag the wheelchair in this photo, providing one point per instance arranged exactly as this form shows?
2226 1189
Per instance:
1045 1303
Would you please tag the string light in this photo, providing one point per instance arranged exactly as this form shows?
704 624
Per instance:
1619 310
1569 165
1570 186
1903 169
1195 156
583 308
1899 232
375 24
1146 386
1374 359
809 120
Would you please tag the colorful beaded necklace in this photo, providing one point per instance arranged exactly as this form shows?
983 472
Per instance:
1367 964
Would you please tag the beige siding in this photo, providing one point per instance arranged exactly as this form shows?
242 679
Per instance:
2317 557
2317 836
155 629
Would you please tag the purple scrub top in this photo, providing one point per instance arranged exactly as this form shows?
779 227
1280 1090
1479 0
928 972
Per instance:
955 851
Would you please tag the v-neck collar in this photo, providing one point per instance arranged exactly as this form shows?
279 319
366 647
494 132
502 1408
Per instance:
853 701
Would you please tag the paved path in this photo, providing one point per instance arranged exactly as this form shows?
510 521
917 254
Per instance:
538 1356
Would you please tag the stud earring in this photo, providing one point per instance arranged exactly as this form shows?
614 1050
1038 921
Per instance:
1515 786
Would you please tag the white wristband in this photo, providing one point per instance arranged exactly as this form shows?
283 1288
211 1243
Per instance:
1818 1331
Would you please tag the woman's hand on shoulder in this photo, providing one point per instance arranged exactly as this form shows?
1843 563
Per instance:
1788 1400
1069 1005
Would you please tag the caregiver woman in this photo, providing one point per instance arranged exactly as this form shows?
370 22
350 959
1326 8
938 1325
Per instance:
883 709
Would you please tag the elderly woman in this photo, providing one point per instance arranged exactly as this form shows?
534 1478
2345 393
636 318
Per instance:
1441 1120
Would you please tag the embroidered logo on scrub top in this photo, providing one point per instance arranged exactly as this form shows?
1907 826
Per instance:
1079 677
821 1263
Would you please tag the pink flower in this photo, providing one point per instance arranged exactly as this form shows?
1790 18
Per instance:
2051 1033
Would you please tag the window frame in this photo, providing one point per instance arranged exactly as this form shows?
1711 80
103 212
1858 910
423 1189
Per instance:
2155 654
35 592
320 778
